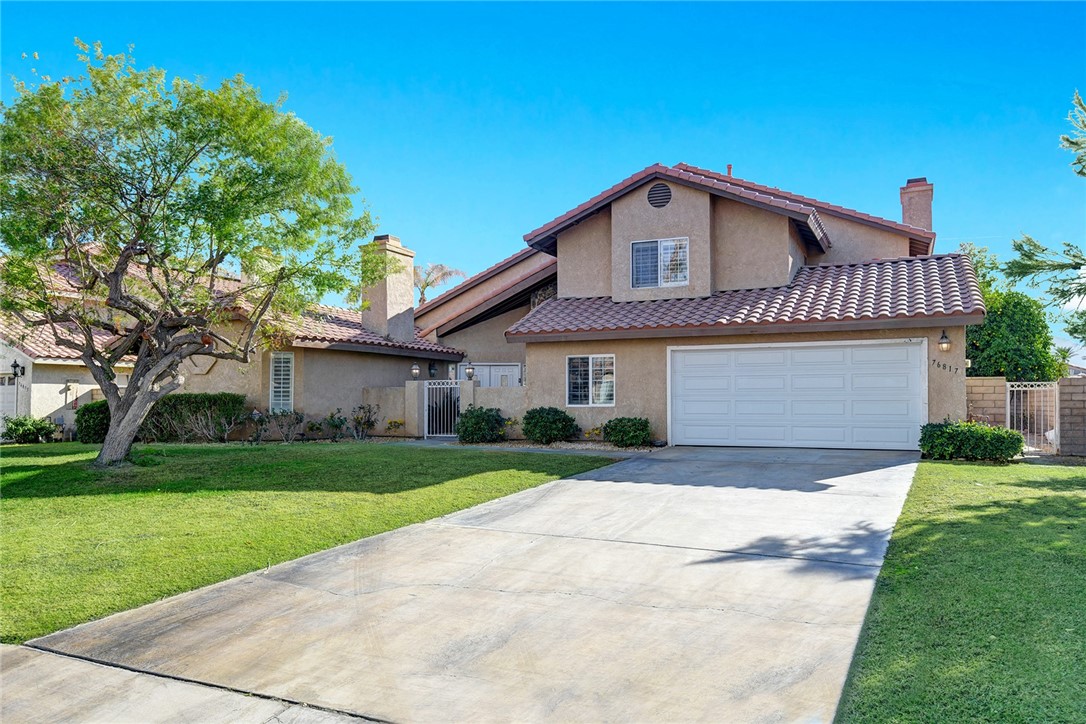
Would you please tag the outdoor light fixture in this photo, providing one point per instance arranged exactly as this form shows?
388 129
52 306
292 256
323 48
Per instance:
415 371
469 370
255 415
944 342
433 370
17 370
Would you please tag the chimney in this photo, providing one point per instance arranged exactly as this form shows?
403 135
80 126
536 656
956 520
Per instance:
916 197
391 312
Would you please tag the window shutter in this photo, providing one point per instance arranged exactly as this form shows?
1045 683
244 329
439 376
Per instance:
282 381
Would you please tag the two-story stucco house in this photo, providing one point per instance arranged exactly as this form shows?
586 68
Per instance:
729 313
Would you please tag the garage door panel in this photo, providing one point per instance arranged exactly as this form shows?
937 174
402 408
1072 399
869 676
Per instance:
866 396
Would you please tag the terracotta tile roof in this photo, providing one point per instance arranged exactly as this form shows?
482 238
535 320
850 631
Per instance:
39 343
774 198
336 325
894 290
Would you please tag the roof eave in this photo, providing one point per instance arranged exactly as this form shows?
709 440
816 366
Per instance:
304 343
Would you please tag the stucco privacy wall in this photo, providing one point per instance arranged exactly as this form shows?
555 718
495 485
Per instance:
335 379
986 399
751 247
391 402
641 371
633 218
584 258
512 401
485 341
1072 392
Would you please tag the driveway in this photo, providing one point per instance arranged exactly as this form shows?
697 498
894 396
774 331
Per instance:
689 584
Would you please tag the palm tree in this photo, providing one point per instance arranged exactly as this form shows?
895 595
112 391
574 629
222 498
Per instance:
1063 360
434 275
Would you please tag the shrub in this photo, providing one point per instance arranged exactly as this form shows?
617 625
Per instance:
628 432
363 419
27 429
970 441
548 424
336 425
92 422
287 423
184 417
394 425
480 424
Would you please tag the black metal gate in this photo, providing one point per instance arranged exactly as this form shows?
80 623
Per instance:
442 407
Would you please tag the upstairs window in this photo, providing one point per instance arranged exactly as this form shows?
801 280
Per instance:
282 382
660 263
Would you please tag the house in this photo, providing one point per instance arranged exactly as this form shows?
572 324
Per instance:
333 354
728 313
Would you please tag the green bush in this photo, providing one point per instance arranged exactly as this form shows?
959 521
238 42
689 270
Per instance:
27 429
548 424
970 441
480 424
628 432
92 422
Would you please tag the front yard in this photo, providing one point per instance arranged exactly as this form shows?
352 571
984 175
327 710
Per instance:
78 544
979 613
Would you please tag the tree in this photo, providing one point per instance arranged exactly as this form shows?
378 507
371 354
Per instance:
1062 273
985 266
434 275
1014 341
1063 357
154 220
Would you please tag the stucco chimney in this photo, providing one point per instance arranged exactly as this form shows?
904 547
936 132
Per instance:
916 196
391 312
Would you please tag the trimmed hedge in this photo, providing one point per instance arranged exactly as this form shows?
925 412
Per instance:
480 424
205 416
92 422
28 430
548 424
970 441
628 432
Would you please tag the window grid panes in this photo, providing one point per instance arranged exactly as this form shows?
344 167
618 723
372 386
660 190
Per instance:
660 263
590 380
674 262
282 381
645 265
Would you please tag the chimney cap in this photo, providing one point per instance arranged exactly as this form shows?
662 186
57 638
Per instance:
917 181
389 238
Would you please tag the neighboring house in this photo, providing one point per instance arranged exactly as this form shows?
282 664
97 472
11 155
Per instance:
332 356
1075 371
729 313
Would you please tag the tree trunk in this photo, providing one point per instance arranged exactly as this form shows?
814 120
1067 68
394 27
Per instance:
124 423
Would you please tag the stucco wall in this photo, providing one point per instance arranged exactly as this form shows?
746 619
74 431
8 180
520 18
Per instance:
51 396
633 218
641 372
855 242
204 374
584 258
485 342
512 401
751 247
391 402
333 379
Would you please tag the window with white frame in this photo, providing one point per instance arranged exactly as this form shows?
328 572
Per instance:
660 263
590 380
282 382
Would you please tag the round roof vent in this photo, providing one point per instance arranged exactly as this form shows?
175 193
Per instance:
660 195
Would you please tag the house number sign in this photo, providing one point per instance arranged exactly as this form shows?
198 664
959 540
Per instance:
944 366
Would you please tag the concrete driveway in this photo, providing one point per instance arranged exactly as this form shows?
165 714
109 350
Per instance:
692 584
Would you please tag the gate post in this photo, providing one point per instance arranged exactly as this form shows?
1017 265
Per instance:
414 408
467 393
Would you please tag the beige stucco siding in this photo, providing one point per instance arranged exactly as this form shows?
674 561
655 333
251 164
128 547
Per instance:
584 258
633 218
641 371
855 242
485 341
52 395
752 248
330 379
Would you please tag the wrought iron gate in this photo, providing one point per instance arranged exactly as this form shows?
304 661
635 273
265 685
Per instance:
1033 409
442 407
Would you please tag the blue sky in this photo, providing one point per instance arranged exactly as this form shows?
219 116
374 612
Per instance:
467 125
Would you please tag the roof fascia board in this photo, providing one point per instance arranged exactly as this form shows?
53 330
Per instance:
375 349
521 285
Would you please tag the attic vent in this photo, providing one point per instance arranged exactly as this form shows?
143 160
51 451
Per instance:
660 195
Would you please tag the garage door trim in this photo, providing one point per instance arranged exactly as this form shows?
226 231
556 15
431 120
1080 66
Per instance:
921 341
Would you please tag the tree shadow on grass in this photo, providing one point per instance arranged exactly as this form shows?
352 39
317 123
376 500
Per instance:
343 467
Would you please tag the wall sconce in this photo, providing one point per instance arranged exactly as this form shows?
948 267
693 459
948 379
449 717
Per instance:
415 371
433 370
469 370
944 342
17 370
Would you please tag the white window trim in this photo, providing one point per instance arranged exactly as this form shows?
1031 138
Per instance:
271 380
590 357
660 283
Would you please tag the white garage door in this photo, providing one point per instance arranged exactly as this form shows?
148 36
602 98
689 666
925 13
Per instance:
870 396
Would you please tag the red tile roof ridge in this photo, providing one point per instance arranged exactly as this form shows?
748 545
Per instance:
949 254
804 199
475 279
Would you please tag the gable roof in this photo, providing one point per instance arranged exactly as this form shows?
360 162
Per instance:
802 209
475 280
906 292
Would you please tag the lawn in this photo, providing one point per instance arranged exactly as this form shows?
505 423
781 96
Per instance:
78 543
979 613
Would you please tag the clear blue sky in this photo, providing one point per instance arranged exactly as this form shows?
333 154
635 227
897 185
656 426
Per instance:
467 125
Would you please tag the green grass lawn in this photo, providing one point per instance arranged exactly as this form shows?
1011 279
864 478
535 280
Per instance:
979 613
78 543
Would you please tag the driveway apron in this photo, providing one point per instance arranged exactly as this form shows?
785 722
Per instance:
691 584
